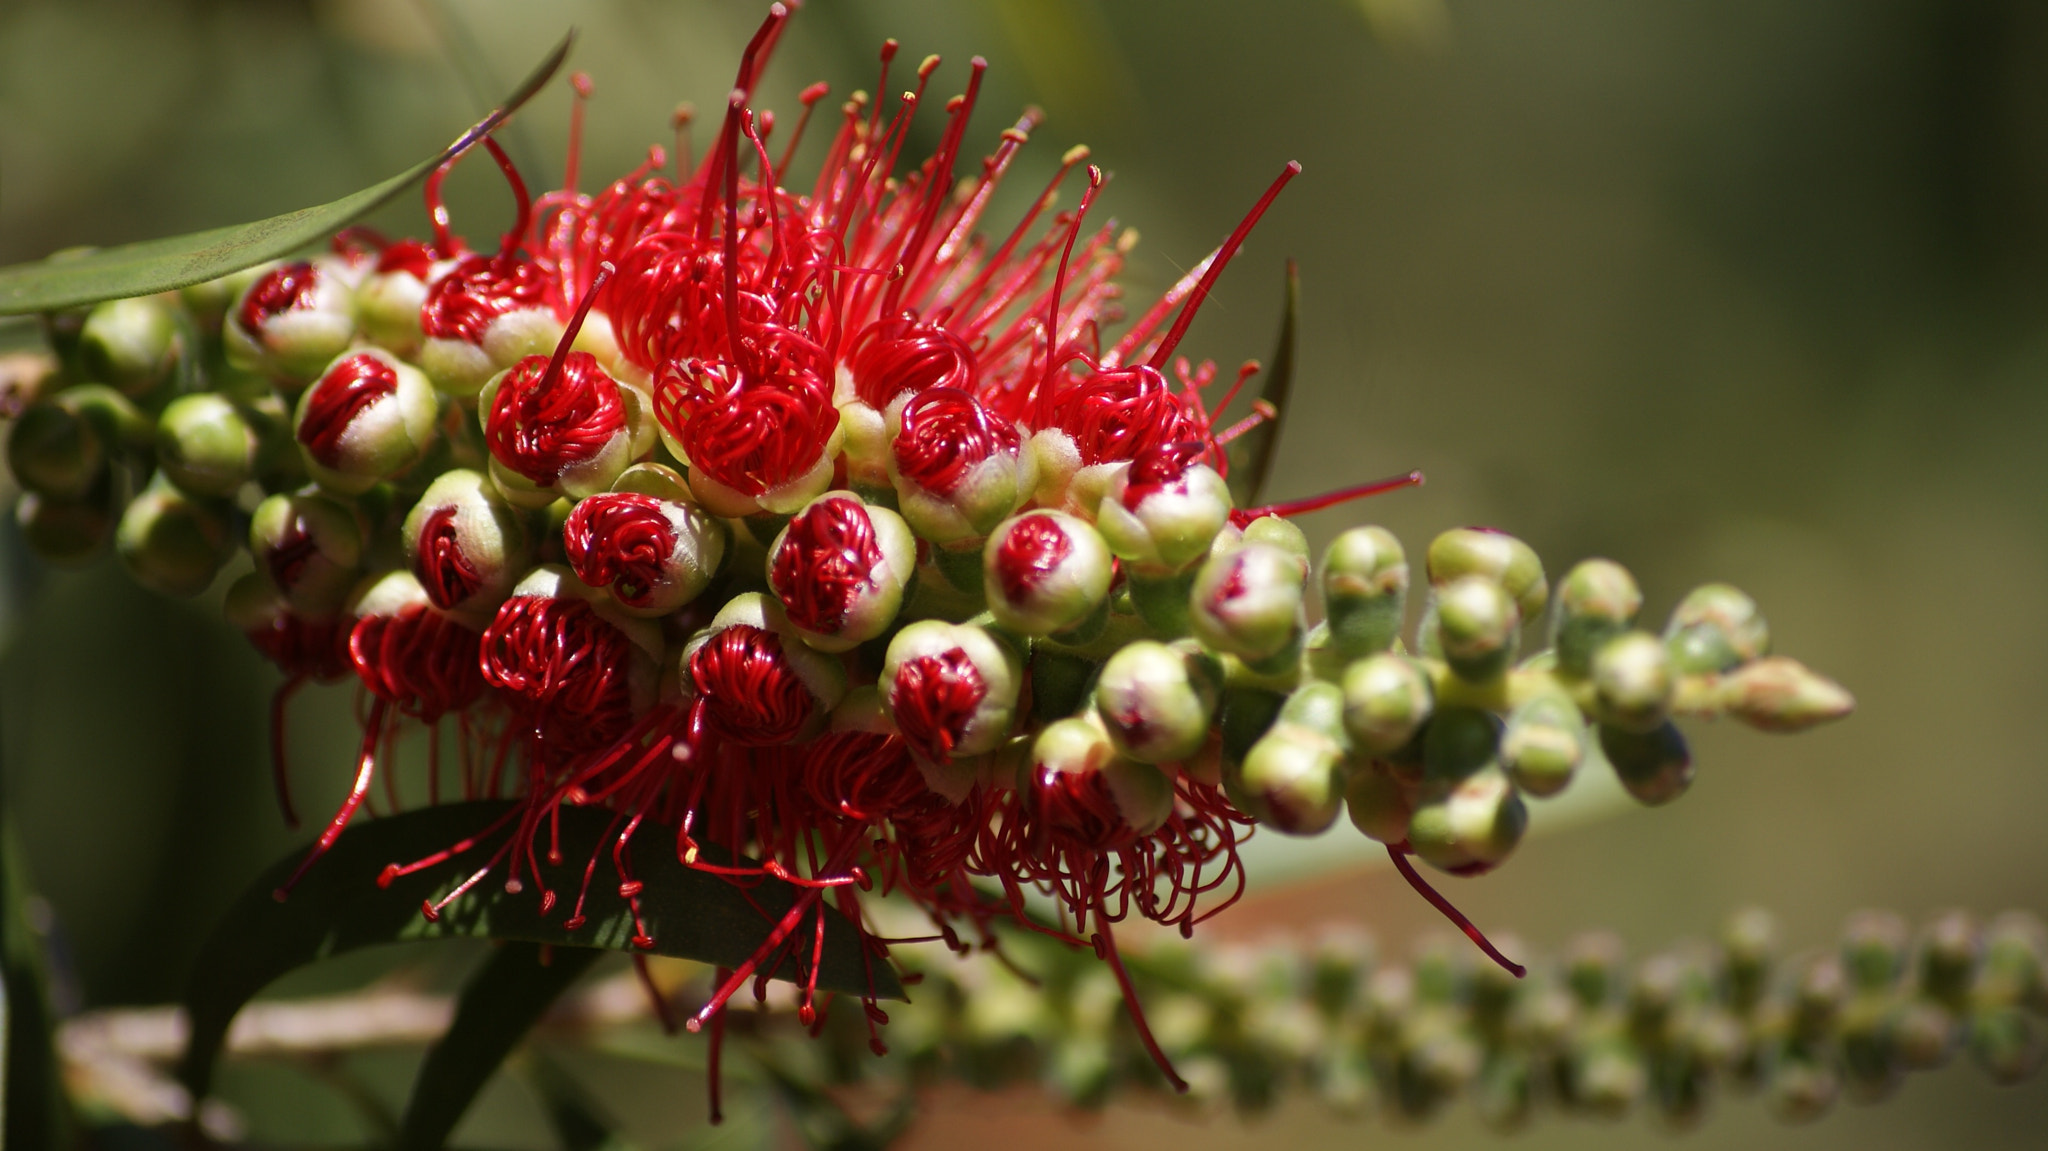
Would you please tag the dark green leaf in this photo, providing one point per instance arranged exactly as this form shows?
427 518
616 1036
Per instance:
339 907
1251 454
173 262
499 1005
33 1102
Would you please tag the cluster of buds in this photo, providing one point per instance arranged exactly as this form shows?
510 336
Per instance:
818 527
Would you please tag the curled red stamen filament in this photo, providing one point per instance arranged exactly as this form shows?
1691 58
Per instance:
900 354
542 422
1451 913
946 433
565 668
449 576
620 540
934 698
281 289
826 563
339 398
1031 550
752 696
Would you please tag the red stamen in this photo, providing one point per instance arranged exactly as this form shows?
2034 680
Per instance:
1451 913
449 576
826 563
934 698
945 435
281 289
1243 516
752 697
620 540
1222 260
339 398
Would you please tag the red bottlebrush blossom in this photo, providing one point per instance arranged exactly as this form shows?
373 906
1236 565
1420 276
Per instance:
935 697
946 432
748 691
827 561
545 418
447 574
903 354
564 670
621 541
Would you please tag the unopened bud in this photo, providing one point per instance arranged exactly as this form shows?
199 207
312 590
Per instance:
389 298
566 429
291 322
2006 1043
1632 682
1874 950
1273 531
1387 699
367 418
466 545
653 553
1478 626
1597 600
760 684
958 468
132 344
1654 766
63 531
1544 744
1379 802
1460 742
1496 555
840 568
1293 778
1247 603
1714 628
309 547
1778 693
171 542
1044 572
1473 827
205 445
55 451
1365 590
1157 701
951 689
1079 783
1162 513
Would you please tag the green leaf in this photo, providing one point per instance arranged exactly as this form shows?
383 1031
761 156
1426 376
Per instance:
32 1109
159 265
1251 454
499 1005
339 907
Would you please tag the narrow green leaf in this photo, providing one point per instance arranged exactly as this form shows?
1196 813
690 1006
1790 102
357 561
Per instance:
1251 454
339 907
173 262
499 1005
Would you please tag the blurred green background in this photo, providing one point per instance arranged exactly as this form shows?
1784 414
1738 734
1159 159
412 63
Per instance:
1749 291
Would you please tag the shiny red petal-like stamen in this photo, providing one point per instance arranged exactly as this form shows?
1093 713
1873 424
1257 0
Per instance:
565 667
946 433
449 576
542 422
281 289
619 540
934 698
1158 468
902 354
420 661
757 436
477 290
1422 888
1030 551
1115 414
338 398
825 563
752 697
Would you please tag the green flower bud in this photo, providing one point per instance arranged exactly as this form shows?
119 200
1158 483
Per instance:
1478 626
291 322
171 542
1365 590
951 689
1473 827
132 344
1749 941
1292 780
1496 555
122 426
1949 952
309 547
2014 967
1802 1089
1607 1078
1714 628
1597 601
63 531
1654 766
958 469
367 418
1460 742
208 301
1077 747
1632 682
1544 744
1379 802
205 446
1874 950
1157 701
55 451
1044 572
1387 699
1594 967
1247 603
840 567
466 544
1923 1035
1277 532
1161 516
1777 693
2006 1043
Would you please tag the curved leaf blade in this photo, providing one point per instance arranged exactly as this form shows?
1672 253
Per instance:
150 266
1251 454
339 907
501 1002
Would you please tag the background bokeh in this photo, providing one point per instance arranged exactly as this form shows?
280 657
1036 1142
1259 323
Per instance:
1749 291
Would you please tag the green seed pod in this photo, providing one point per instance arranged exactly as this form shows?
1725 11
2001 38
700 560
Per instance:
1778 693
1496 555
1715 628
63 531
1478 627
1157 701
1473 827
1655 766
1597 601
132 344
1387 699
1632 682
56 452
1247 603
1163 523
1379 802
1460 742
205 446
170 542
1365 590
309 547
1544 744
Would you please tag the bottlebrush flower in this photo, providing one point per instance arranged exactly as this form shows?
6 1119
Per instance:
958 468
652 554
575 670
755 680
309 547
840 568
951 691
